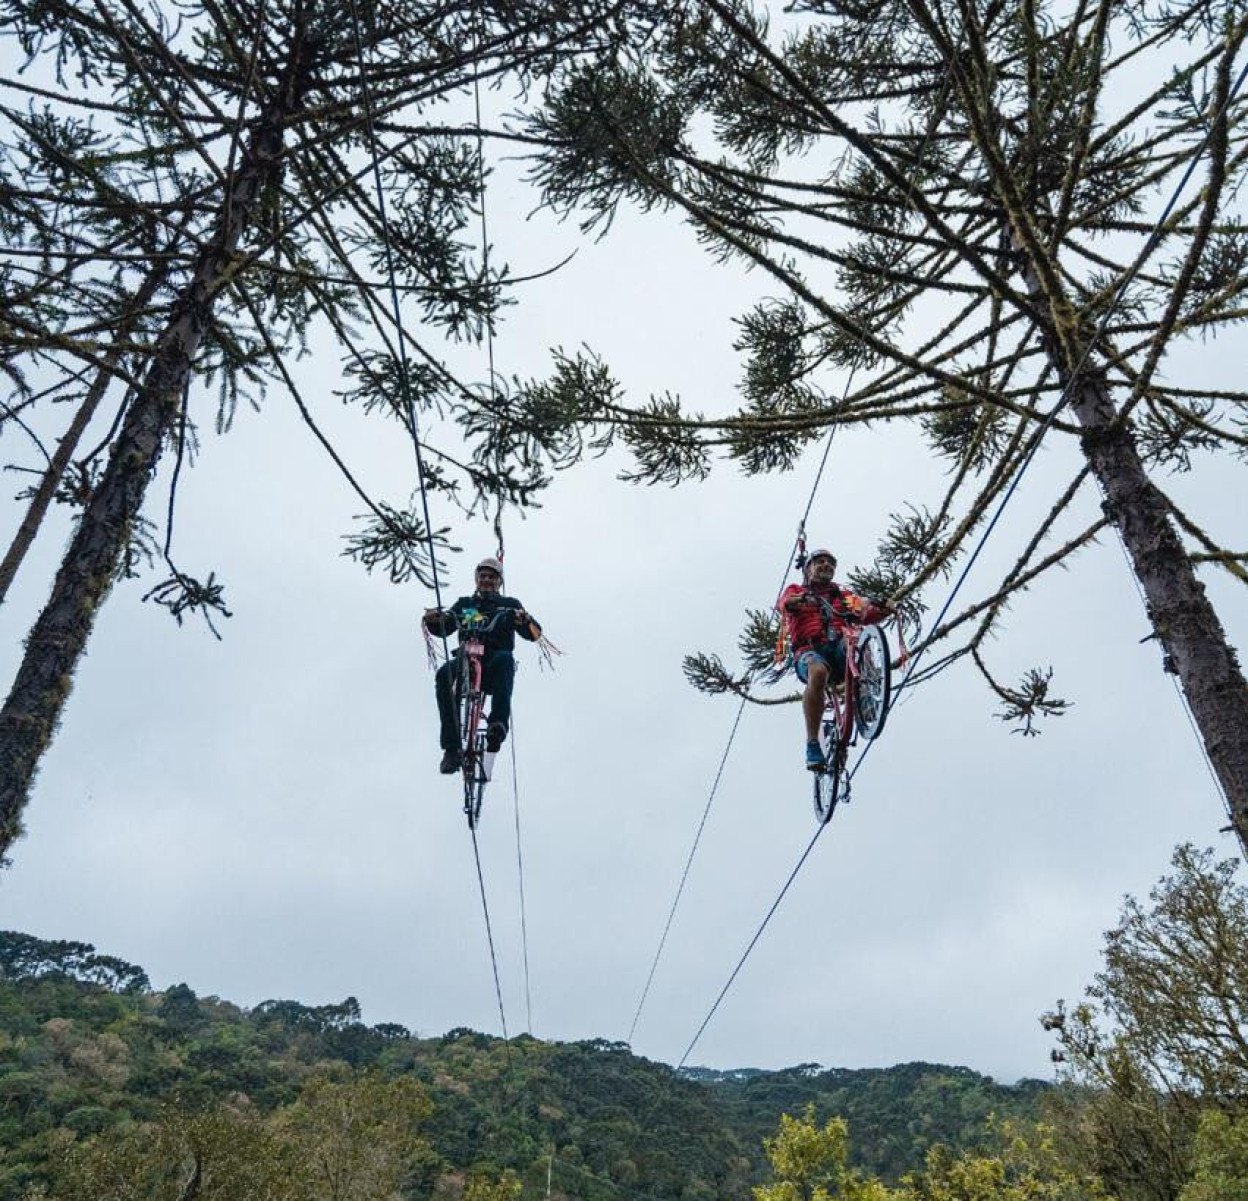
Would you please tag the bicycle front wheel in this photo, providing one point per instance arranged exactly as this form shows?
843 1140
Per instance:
827 782
872 682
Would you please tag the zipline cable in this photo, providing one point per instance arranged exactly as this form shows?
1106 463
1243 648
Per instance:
946 83
489 934
485 241
414 431
409 404
524 924
498 529
732 734
1150 245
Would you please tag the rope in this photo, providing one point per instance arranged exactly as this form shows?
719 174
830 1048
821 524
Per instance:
485 268
723 992
524 924
684 875
414 431
412 422
502 554
800 552
1150 245
1204 754
799 546
489 934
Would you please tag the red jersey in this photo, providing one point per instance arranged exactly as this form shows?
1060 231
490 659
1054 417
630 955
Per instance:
814 624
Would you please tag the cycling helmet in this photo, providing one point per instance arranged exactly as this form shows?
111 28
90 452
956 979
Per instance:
820 552
489 563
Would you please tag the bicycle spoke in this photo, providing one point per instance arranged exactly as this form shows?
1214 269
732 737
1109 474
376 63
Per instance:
828 781
871 681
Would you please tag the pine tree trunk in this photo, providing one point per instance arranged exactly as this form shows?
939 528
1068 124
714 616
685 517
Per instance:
42 499
1193 643
56 642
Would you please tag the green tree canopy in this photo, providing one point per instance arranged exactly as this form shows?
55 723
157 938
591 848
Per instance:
951 201
194 197
1160 1039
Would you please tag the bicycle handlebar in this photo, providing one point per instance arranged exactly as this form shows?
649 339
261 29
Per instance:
480 625
848 616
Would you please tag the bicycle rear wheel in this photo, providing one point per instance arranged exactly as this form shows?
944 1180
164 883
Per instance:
872 682
472 739
827 782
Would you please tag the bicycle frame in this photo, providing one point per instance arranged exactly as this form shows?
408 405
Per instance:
477 762
839 698
845 715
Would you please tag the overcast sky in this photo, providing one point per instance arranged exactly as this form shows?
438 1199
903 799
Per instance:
263 817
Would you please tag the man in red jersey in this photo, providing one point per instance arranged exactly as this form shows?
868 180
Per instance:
815 614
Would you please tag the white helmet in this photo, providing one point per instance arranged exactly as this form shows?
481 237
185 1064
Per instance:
819 553
489 563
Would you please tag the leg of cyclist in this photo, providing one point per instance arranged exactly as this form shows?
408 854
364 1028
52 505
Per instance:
448 735
498 677
812 670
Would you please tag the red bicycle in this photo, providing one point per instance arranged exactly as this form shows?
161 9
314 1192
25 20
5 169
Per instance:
856 706
476 759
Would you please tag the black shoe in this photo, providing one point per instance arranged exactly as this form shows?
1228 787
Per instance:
452 761
494 737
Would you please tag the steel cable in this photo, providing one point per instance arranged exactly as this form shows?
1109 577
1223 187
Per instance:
414 431
1150 245
732 734
801 526
498 529
524 923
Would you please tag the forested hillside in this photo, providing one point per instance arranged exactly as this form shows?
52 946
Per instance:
87 1048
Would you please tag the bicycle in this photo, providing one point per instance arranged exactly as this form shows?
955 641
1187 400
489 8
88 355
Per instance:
477 761
856 706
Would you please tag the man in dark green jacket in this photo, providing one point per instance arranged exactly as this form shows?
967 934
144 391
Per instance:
498 664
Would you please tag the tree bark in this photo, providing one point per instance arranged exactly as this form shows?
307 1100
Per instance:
1194 644
57 641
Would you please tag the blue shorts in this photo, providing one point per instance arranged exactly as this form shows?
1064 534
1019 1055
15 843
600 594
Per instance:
830 654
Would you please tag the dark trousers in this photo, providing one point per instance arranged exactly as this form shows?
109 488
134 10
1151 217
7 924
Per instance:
497 676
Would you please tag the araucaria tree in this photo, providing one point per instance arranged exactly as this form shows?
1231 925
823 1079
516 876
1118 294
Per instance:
186 198
1158 1049
953 198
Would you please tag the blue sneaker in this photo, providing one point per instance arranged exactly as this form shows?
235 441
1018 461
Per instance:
814 757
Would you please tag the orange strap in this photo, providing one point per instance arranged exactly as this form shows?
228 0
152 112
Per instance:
782 641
